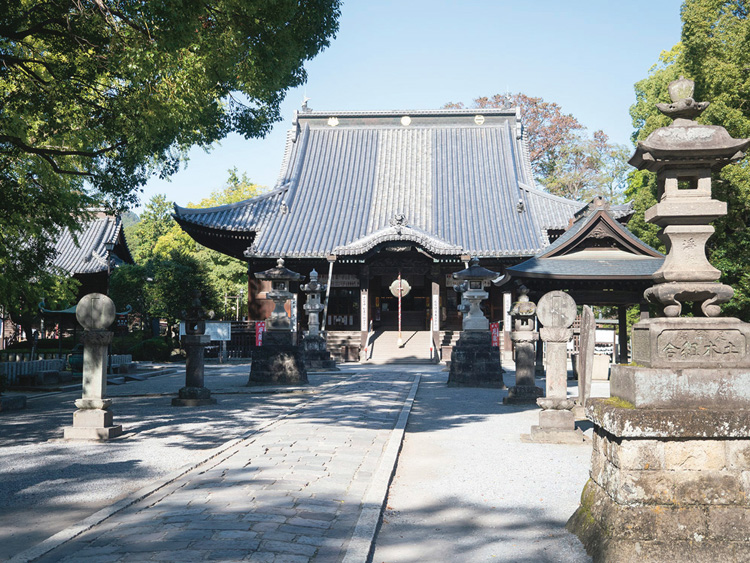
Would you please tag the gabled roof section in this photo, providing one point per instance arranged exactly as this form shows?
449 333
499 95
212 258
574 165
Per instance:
461 179
85 253
597 245
399 233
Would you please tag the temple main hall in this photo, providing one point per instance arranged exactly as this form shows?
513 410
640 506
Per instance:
364 197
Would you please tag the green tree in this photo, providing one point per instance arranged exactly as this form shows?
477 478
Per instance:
715 52
98 96
156 221
57 290
563 158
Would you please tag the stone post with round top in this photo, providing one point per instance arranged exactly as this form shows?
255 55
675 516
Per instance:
474 362
556 312
93 419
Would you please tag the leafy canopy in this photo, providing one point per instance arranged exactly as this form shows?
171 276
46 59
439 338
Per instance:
715 52
98 96
171 264
564 160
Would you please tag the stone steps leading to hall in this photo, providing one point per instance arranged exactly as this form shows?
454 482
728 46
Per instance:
384 348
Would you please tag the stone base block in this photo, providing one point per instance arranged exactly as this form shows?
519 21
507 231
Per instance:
475 363
92 424
617 533
193 397
316 355
277 364
85 433
695 342
643 387
523 394
557 419
543 435
178 402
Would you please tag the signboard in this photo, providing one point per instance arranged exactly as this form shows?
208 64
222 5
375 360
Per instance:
260 328
435 312
121 322
363 311
341 280
450 282
507 305
220 331
495 332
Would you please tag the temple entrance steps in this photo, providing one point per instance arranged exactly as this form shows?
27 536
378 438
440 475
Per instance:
385 349
344 345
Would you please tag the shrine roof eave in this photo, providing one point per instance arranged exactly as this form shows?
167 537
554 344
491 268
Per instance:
231 243
625 270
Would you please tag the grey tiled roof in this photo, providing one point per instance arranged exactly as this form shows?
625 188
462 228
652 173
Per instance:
551 262
88 255
458 179
578 269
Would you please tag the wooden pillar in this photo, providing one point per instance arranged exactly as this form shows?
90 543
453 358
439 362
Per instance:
435 305
622 320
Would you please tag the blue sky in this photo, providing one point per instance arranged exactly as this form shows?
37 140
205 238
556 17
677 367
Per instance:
418 54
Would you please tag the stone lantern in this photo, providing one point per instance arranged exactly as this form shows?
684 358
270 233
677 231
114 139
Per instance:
281 279
473 279
279 361
195 394
524 336
473 361
316 354
676 437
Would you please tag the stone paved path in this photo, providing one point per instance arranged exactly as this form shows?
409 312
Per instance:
290 493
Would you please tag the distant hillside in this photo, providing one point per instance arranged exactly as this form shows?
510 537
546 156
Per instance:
129 218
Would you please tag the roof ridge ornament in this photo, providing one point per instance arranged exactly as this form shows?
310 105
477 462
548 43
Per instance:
398 221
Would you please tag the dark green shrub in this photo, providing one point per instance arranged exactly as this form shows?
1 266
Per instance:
151 350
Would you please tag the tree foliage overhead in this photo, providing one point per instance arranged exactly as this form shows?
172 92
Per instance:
98 96
164 253
565 160
715 52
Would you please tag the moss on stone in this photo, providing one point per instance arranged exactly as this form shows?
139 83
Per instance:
619 403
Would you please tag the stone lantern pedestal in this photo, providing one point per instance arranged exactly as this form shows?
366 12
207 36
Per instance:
279 361
194 394
524 338
93 419
316 354
474 362
670 471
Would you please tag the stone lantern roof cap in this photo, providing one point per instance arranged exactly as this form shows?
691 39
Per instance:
475 272
279 273
686 142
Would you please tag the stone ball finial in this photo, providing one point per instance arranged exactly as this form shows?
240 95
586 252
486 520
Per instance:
95 311
313 275
280 263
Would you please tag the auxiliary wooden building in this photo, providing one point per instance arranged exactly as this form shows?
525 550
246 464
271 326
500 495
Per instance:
366 196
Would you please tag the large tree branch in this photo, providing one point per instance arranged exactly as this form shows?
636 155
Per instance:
54 151
36 29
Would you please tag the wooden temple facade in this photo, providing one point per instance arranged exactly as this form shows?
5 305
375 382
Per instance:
364 197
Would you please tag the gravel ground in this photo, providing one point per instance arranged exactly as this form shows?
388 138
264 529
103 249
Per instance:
47 484
467 489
